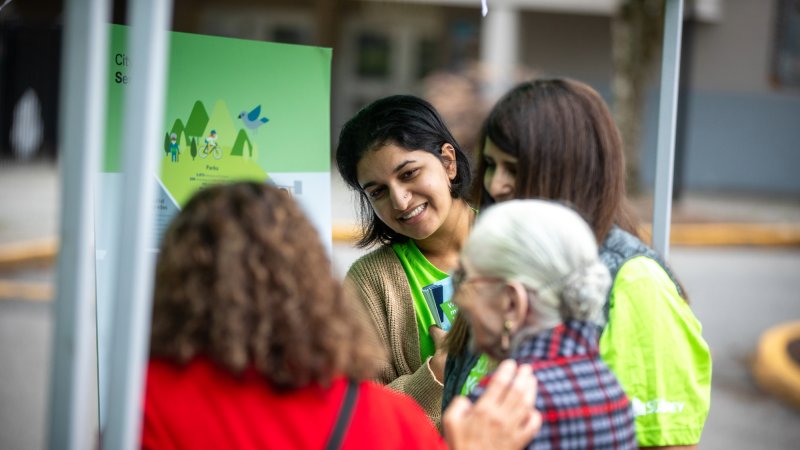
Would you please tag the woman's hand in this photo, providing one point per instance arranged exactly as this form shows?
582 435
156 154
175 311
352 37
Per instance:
440 355
503 417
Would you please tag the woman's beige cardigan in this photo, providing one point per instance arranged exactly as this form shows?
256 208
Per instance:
379 280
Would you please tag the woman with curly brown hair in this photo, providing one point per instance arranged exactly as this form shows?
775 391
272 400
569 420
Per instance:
254 344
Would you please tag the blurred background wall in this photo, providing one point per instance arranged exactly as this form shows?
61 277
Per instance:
741 80
738 135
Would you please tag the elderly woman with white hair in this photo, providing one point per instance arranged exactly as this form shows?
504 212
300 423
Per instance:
532 287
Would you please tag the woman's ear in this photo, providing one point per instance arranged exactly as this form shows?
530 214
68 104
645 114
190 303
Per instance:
517 306
449 160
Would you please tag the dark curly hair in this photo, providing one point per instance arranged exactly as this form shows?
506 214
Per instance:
243 278
408 122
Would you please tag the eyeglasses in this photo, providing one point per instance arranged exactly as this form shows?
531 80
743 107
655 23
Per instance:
459 278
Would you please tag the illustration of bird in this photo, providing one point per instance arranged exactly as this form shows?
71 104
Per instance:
251 119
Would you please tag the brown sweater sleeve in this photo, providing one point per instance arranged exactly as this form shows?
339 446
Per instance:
379 281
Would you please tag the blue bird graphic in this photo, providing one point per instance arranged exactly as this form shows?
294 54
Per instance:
251 119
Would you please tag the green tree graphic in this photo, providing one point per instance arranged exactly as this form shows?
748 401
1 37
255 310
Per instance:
179 131
198 120
238 146
166 143
193 149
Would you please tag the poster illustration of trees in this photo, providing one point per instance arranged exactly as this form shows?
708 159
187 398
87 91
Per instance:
233 110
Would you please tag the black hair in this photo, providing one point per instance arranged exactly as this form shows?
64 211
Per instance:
408 122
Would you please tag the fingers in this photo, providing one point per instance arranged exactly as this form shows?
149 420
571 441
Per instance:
511 389
523 387
531 427
529 391
438 335
456 411
521 395
499 383
503 417
521 435
455 419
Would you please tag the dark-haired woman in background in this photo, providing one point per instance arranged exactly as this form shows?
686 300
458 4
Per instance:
555 139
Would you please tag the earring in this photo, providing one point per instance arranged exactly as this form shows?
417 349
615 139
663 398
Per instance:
505 337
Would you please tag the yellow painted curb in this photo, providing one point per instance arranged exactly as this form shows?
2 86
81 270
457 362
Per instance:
345 233
714 234
43 251
774 370
30 253
13 290
688 234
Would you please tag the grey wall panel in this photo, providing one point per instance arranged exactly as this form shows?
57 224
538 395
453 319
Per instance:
741 142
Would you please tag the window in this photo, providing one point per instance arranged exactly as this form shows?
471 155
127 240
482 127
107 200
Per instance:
373 53
427 53
288 34
786 54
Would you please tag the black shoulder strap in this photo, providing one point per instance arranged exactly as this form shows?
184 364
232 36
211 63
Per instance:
345 413
620 247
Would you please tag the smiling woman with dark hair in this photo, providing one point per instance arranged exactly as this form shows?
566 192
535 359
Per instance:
411 178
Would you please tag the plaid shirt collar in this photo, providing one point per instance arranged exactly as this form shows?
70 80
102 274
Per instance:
570 339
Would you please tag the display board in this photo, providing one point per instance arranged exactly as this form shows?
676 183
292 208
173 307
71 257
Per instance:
233 110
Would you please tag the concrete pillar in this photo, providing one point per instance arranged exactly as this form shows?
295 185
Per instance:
499 48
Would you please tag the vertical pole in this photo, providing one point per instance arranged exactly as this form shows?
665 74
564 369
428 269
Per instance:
142 141
81 125
499 53
667 111
682 125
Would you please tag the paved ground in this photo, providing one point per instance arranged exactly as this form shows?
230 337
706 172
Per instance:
737 292
29 199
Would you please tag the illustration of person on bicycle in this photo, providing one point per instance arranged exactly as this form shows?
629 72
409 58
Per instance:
211 146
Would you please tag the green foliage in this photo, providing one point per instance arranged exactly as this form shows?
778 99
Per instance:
166 143
198 120
238 146
193 149
179 131
220 119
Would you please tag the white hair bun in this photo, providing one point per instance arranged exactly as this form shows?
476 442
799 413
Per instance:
585 291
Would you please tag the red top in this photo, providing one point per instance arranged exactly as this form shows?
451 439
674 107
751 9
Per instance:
200 406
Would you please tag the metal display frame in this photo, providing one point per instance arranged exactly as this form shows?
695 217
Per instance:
84 90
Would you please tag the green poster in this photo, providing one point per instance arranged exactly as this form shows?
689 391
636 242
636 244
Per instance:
269 103
233 110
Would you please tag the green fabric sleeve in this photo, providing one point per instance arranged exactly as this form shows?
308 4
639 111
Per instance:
653 343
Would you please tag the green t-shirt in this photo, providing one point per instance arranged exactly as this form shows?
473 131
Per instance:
654 345
420 273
